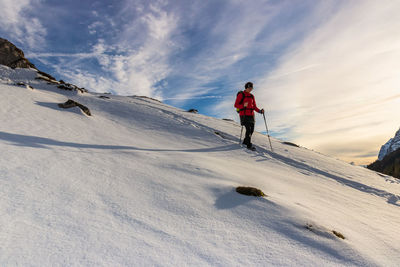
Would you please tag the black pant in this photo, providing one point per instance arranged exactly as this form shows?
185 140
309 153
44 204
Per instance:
248 122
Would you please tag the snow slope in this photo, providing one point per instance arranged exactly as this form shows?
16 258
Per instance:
141 183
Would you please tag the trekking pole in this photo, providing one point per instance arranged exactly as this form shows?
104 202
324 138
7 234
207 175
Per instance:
267 131
240 140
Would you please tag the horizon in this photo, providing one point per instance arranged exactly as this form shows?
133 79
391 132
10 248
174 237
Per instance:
325 71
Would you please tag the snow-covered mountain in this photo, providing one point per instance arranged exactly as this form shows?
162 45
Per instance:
390 146
141 183
389 157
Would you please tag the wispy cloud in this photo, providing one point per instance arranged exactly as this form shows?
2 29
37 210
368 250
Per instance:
134 61
326 71
230 43
340 85
21 27
186 47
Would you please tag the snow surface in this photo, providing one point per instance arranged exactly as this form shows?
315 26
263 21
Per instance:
141 183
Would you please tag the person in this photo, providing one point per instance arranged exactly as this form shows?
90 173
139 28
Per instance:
246 105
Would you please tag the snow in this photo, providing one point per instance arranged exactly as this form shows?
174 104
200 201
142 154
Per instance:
141 183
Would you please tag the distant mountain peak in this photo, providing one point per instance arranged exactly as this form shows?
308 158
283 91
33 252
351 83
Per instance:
392 145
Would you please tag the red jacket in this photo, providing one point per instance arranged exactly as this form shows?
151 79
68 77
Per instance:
251 104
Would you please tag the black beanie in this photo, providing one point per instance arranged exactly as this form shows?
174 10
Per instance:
249 84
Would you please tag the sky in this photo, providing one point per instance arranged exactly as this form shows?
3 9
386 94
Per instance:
326 72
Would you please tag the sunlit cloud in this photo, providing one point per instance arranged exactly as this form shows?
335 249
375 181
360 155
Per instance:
340 85
326 72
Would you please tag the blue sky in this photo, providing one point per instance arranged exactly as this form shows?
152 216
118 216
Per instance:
325 71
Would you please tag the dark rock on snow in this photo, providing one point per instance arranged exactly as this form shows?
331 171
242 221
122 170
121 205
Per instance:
46 75
23 84
389 165
71 103
290 144
250 191
71 87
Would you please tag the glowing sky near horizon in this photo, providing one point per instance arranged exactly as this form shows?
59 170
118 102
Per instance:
326 71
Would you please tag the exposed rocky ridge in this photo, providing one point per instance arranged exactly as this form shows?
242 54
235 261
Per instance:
389 165
389 157
12 56
392 145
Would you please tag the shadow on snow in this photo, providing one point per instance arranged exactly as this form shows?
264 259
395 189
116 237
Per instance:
43 142
390 198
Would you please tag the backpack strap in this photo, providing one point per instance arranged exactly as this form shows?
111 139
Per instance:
242 100
240 93
244 96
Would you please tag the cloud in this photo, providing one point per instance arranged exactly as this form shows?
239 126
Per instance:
325 71
133 61
225 45
146 65
19 25
340 84
94 26
150 48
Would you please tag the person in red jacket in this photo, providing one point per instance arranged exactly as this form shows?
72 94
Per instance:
246 105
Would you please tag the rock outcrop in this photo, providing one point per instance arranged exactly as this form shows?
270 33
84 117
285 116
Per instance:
389 157
392 145
12 56
389 165
71 103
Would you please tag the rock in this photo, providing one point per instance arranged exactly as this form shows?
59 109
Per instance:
219 134
193 110
392 145
71 87
250 191
12 56
71 103
389 165
27 86
323 231
47 79
48 76
290 144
